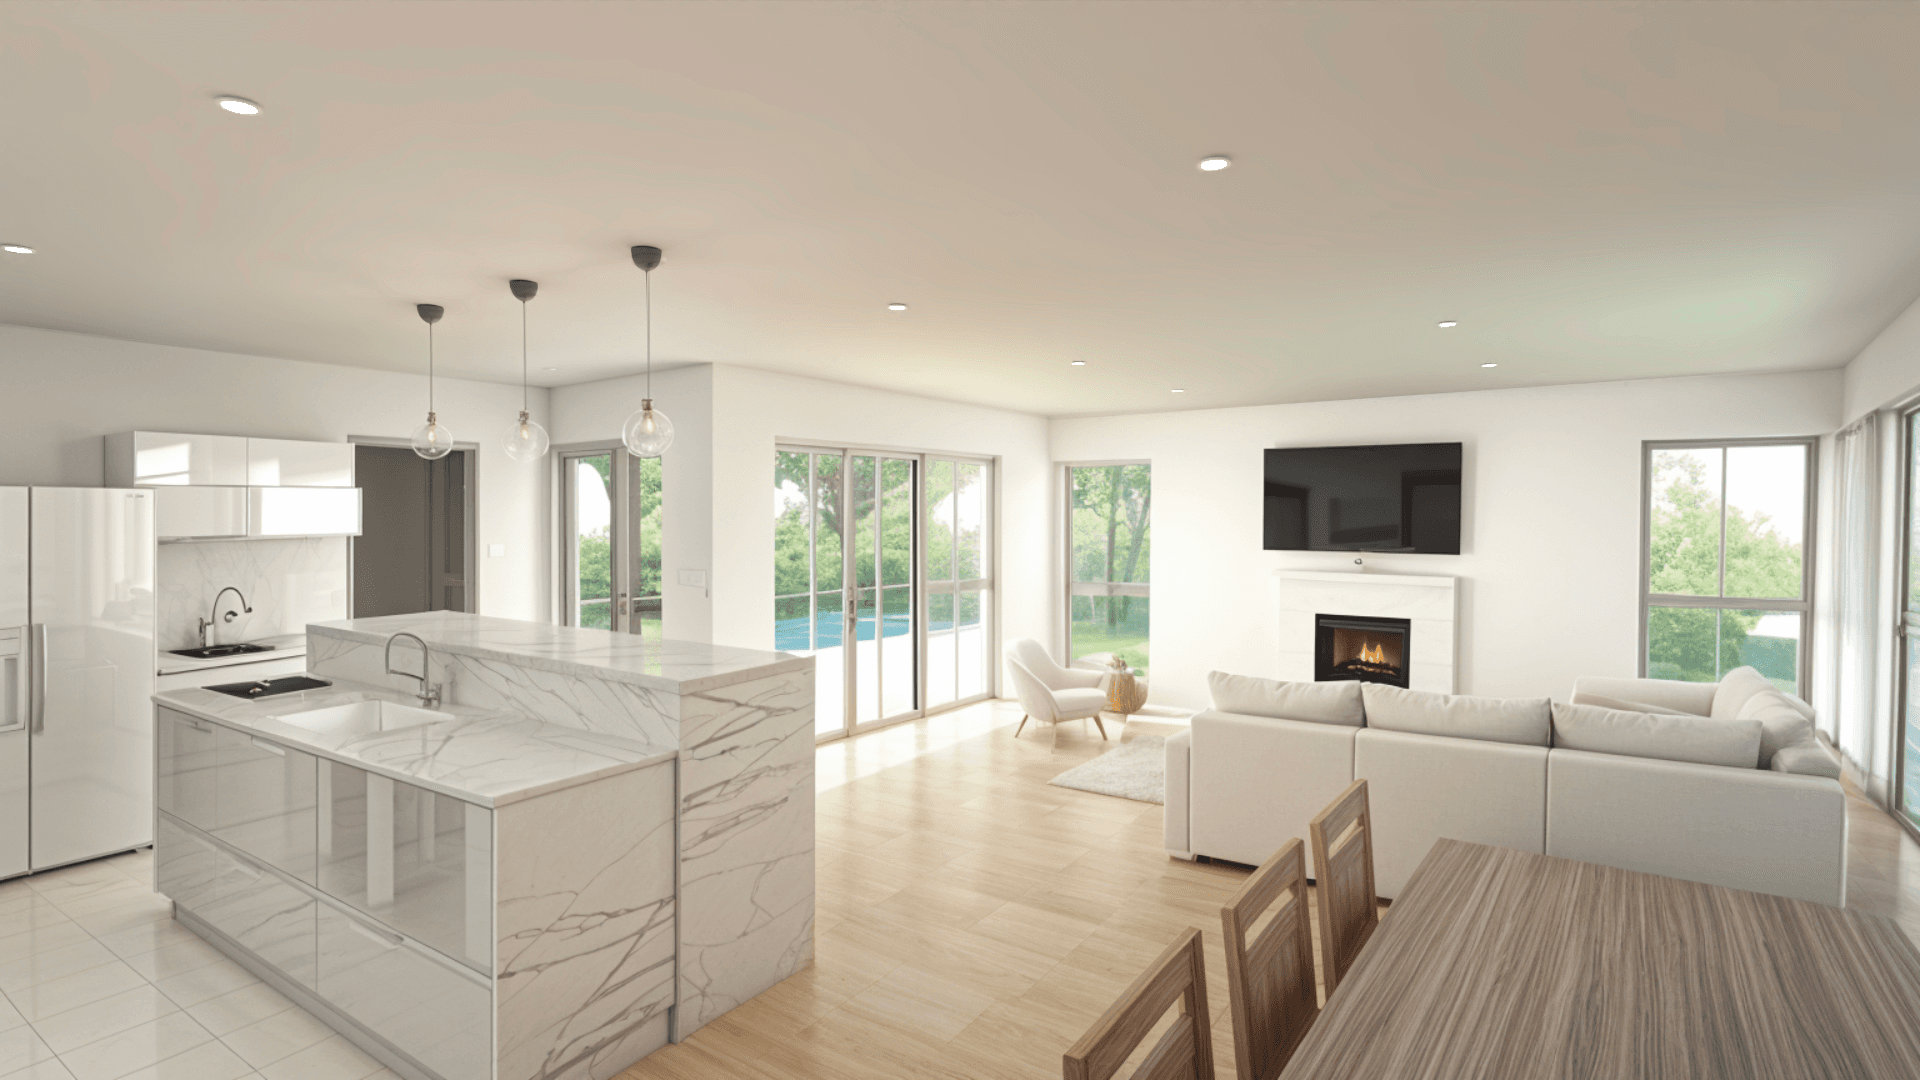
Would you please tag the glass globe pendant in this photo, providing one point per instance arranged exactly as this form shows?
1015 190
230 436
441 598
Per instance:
430 440
648 432
524 439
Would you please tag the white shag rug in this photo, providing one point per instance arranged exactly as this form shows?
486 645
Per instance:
1135 770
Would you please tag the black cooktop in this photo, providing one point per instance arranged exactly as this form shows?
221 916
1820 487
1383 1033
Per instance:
263 688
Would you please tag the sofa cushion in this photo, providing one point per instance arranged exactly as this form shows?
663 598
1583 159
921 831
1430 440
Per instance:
1314 702
1736 688
1698 739
1807 758
1781 724
1525 721
1601 701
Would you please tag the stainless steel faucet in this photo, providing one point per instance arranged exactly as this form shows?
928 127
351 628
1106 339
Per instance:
207 623
429 693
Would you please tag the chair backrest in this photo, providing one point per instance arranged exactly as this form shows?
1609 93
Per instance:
1270 979
1185 1049
1033 656
1343 856
1034 696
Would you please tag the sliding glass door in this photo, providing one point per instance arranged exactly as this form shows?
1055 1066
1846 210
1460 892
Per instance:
1906 795
882 573
610 537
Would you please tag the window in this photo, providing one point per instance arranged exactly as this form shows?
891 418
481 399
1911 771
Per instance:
1109 518
1728 577
611 540
959 562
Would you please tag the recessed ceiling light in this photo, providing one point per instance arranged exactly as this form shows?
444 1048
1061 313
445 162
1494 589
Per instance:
1178 390
1449 324
1079 363
240 106
1489 365
1215 162
896 307
549 369
16 249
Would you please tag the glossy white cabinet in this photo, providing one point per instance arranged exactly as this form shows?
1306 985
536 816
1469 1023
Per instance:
298 511
162 459
293 463
264 801
199 513
434 1011
185 762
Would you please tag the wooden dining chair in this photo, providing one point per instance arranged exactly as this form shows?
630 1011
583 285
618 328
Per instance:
1185 1049
1343 858
1270 979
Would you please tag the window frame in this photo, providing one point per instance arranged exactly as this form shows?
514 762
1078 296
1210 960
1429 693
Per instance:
626 605
1095 588
1802 605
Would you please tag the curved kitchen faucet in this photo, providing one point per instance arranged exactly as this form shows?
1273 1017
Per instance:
429 693
207 623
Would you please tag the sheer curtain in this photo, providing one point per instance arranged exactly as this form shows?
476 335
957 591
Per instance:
1850 645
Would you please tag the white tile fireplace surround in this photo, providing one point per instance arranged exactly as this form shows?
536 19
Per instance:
1429 603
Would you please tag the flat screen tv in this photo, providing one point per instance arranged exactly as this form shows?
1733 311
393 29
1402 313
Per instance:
1404 497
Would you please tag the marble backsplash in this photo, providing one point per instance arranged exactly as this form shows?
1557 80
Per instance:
289 583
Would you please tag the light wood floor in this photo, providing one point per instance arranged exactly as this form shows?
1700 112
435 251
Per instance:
974 921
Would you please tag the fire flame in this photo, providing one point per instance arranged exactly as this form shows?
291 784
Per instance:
1373 654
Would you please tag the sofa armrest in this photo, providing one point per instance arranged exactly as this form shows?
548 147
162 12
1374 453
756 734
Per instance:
1695 698
1179 756
1748 829
1808 757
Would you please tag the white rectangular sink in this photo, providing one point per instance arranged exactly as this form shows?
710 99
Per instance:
361 718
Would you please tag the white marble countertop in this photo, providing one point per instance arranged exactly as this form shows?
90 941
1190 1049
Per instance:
680 667
283 646
482 757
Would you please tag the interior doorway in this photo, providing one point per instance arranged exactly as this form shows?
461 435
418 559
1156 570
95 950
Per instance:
415 548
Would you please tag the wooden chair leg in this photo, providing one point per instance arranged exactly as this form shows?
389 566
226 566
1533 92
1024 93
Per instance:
1101 726
1022 727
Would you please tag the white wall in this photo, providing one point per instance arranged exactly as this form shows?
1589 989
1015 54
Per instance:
595 413
63 392
1550 542
1887 371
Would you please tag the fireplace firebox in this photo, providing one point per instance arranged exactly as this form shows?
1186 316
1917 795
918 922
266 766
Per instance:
1357 647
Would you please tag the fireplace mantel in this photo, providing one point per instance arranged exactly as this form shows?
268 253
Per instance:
1430 603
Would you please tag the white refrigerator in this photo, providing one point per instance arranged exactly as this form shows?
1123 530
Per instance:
76 674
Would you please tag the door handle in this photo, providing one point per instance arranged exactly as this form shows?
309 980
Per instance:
37 633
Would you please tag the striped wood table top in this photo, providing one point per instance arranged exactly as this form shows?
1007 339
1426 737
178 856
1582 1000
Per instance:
1497 964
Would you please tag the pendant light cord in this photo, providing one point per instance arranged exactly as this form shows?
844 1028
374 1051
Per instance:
649 276
429 368
523 356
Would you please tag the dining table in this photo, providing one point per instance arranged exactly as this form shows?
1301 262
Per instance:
1495 964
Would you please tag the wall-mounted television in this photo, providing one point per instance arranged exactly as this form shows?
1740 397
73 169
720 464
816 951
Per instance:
1402 497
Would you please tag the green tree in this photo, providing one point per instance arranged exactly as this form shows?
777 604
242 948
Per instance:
1112 542
594 553
1683 547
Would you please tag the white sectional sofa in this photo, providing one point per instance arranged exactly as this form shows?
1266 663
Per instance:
1721 783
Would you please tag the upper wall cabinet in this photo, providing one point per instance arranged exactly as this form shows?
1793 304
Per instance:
290 463
303 511
153 459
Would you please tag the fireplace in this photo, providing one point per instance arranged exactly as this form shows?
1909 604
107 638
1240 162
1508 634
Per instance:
1357 647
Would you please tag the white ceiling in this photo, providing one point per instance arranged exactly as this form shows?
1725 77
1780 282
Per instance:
1596 191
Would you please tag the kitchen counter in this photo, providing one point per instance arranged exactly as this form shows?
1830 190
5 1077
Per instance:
481 756
284 646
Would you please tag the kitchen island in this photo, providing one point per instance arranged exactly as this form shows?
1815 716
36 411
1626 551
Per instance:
591 845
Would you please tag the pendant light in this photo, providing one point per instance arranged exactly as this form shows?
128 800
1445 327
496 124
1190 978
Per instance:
648 432
525 440
430 440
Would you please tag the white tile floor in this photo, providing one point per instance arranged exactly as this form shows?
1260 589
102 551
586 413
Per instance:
97 982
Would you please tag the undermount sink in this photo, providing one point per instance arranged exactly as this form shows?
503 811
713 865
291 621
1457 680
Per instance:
361 718
214 652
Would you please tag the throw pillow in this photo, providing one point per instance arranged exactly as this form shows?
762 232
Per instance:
1525 721
1781 724
1315 702
1698 739
1735 689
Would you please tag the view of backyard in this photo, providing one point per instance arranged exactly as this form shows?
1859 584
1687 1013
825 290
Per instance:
593 542
1110 554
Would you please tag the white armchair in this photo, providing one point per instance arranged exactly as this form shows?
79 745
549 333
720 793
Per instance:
1050 693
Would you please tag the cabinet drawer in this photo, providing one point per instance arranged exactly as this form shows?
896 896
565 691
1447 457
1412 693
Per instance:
271 918
184 768
187 869
422 1004
415 861
266 801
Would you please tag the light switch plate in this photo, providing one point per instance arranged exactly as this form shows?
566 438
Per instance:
496 550
694 578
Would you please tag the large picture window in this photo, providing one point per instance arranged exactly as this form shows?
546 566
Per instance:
1109 519
1727 575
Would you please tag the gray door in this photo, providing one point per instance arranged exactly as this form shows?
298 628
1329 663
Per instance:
413 550
91 642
